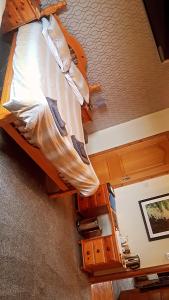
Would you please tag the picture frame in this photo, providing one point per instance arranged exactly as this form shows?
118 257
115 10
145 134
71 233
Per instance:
155 213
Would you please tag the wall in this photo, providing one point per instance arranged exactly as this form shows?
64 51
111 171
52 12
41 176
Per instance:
127 132
122 56
131 222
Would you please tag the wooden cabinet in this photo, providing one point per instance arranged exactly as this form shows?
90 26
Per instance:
101 253
94 205
133 162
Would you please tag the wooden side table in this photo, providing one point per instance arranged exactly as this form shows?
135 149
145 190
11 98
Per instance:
95 205
100 253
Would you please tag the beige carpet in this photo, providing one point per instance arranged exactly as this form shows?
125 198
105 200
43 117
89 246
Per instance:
39 254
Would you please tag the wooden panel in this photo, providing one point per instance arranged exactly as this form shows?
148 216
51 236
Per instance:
88 253
157 294
102 291
102 195
146 158
134 162
83 204
100 166
129 274
92 202
115 168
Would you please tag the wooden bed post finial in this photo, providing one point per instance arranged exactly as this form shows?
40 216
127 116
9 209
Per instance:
52 9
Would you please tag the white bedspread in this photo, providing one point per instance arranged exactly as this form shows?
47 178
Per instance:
37 76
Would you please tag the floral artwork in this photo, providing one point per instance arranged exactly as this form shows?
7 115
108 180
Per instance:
155 212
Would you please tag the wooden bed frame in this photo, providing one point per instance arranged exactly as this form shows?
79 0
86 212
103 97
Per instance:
18 13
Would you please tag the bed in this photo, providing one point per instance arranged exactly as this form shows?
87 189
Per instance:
42 103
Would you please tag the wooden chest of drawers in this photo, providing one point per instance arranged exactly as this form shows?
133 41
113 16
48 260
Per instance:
100 253
94 205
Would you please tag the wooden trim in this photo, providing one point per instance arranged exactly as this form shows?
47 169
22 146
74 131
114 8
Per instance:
129 144
115 186
9 73
62 194
5 116
53 8
129 274
36 155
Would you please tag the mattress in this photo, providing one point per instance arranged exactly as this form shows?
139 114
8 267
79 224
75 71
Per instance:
37 78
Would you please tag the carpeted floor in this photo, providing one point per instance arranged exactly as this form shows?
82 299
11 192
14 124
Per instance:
39 254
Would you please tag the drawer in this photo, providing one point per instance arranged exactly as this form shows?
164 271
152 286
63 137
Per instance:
83 203
102 195
88 253
111 252
93 202
98 246
109 249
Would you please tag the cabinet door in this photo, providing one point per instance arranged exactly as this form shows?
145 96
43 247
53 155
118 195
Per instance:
145 159
100 166
108 167
115 168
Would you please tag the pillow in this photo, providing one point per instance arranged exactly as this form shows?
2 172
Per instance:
2 8
57 36
79 81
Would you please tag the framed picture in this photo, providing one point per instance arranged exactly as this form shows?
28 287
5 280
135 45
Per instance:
155 212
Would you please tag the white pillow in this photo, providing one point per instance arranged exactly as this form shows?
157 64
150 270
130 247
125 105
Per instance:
79 81
60 43
2 8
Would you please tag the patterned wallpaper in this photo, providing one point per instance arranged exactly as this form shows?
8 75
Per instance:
122 56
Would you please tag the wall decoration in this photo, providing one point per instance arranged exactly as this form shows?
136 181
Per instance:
155 212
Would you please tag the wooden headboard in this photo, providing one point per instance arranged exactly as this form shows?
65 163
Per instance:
20 12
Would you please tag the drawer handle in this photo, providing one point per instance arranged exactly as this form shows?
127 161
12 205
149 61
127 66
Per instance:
108 248
88 252
98 251
125 178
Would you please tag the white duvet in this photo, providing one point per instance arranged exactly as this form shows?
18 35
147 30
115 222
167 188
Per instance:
37 76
